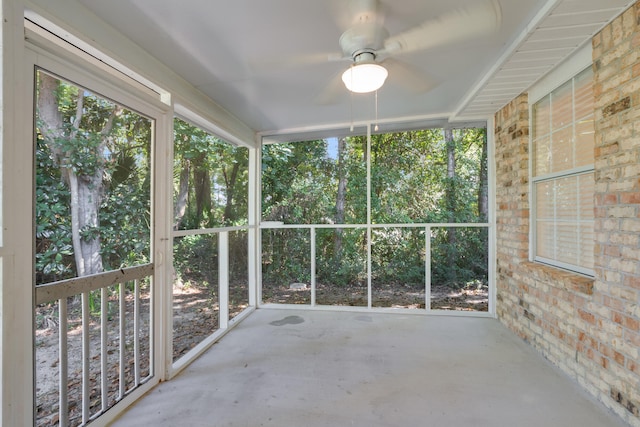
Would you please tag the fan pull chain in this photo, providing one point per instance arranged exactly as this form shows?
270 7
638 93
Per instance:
375 127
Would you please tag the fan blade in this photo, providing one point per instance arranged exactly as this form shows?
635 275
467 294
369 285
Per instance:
409 77
333 92
277 64
460 24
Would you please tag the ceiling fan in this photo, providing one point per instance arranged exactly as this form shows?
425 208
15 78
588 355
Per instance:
369 47
372 50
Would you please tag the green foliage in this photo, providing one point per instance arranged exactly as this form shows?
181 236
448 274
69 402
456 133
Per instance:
115 161
410 183
195 259
285 257
462 262
217 177
346 265
54 251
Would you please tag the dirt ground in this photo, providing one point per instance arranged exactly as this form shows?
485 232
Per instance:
471 298
195 318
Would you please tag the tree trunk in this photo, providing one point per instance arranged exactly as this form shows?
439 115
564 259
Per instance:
183 191
85 205
230 183
340 197
202 186
85 190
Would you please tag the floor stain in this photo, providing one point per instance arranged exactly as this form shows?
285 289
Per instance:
289 320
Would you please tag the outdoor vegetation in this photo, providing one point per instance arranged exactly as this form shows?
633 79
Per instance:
92 210
407 209
211 180
433 177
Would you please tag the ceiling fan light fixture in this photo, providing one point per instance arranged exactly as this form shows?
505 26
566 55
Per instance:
364 78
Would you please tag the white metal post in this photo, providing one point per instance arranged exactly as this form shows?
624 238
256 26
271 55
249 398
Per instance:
223 279
253 238
427 268
369 291
312 230
491 174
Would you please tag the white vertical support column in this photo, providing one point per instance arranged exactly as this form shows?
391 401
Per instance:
121 341
136 332
104 378
369 292
427 268
491 173
85 358
16 221
312 230
253 238
223 278
63 356
161 298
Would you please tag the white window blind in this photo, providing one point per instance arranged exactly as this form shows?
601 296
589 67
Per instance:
562 175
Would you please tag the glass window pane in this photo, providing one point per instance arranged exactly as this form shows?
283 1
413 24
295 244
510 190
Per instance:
542 118
545 241
544 200
566 199
542 156
587 238
584 98
586 184
585 141
567 243
93 182
561 107
564 207
562 149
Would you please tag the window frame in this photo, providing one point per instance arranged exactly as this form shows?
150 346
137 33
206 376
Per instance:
567 73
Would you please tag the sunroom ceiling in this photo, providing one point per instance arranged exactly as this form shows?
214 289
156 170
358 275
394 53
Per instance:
252 56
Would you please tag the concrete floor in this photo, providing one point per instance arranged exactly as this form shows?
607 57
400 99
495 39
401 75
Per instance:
321 368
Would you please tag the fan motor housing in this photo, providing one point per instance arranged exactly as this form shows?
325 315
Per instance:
363 37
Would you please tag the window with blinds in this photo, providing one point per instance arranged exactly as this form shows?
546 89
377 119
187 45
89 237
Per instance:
562 175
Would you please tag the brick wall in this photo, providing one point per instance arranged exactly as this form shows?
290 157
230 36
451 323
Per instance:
589 328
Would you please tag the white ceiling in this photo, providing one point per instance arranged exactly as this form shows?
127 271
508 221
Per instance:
254 57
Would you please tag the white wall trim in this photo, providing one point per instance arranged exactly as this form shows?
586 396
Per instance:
16 256
573 65
81 24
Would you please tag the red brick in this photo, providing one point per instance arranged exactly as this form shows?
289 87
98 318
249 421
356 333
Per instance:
631 323
630 198
607 351
619 358
617 317
632 282
587 317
